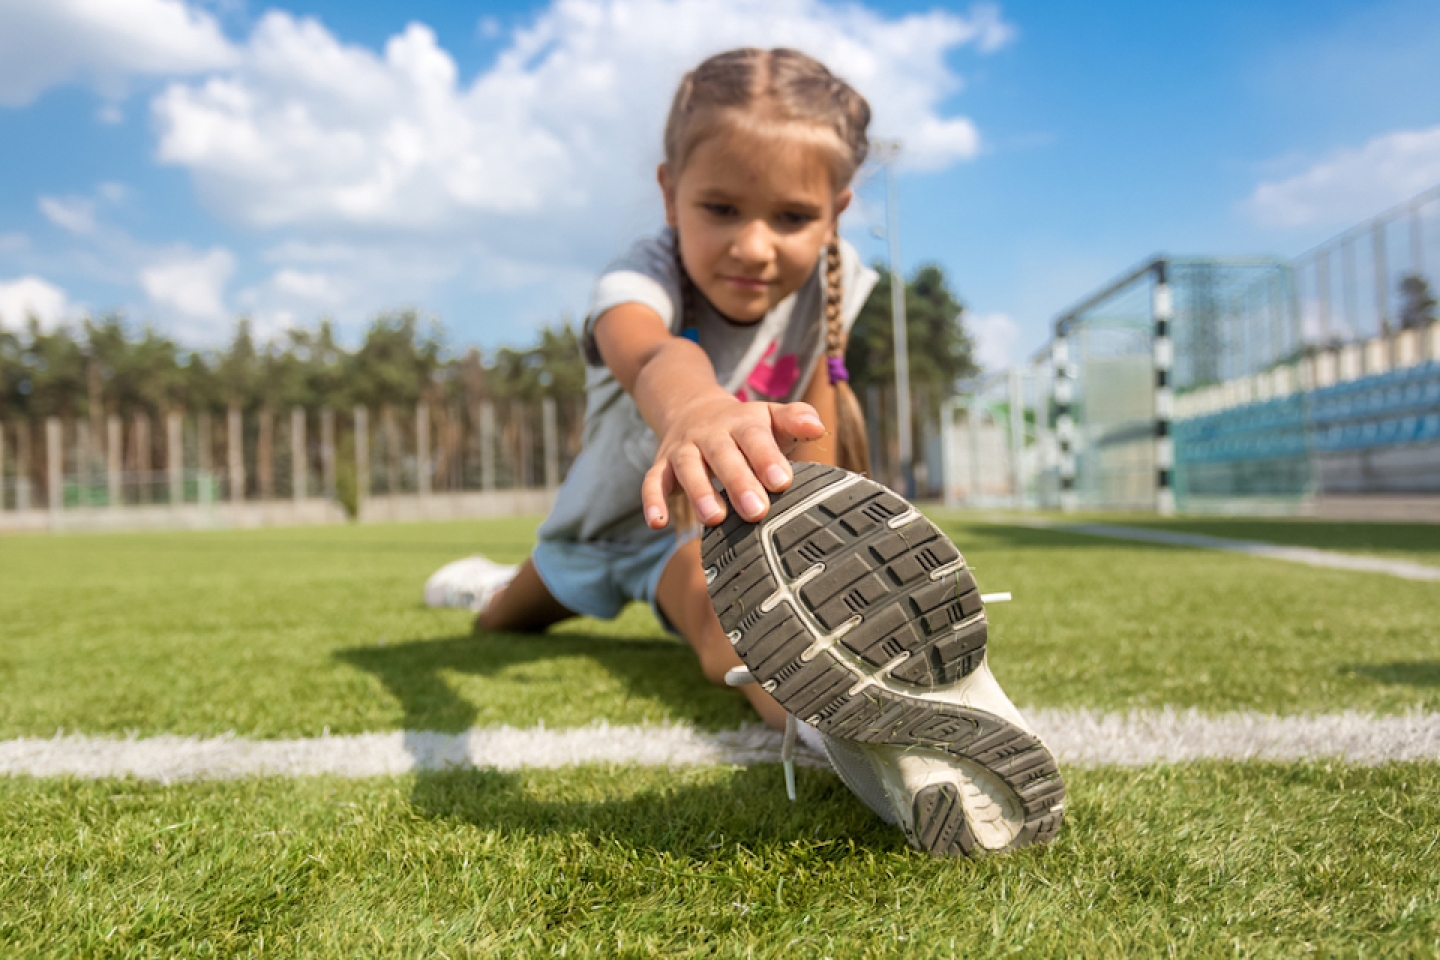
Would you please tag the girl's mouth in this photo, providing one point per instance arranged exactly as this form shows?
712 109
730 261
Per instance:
748 283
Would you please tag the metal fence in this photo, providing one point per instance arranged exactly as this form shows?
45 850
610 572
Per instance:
262 456
1226 384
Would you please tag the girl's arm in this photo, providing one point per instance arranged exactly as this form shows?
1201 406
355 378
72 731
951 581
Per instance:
702 429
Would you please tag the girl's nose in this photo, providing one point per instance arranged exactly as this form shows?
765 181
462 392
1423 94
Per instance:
753 243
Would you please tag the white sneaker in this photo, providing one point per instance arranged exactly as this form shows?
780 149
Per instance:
469 584
861 618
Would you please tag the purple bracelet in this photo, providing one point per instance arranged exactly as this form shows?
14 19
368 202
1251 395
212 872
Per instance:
837 370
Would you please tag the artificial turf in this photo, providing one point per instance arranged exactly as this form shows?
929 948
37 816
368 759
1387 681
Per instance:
1190 860
291 632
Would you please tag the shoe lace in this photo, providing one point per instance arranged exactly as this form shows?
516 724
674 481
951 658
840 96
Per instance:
741 676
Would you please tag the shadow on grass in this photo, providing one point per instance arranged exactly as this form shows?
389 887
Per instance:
1412 673
701 822
661 669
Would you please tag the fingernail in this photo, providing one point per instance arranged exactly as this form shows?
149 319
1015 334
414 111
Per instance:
751 505
654 515
809 420
776 476
709 508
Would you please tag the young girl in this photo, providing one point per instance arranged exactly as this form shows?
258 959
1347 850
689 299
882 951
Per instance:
714 352
712 348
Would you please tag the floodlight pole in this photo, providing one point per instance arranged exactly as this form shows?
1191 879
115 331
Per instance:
888 151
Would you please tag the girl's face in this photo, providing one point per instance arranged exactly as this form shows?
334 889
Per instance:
753 213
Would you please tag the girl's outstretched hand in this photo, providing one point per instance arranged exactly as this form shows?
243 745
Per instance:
739 443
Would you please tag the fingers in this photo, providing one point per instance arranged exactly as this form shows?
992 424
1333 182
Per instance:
654 493
737 474
798 420
741 448
689 468
765 460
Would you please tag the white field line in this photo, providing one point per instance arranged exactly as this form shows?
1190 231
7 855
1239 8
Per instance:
1404 569
1078 737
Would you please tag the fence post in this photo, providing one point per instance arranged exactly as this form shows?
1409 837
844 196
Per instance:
205 455
54 465
144 456
235 452
22 465
522 442
1064 423
84 458
175 456
1162 308
389 437
422 449
1044 448
949 458
265 455
551 441
327 453
487 445
1017 435
114 440
2 466
362 457
297 453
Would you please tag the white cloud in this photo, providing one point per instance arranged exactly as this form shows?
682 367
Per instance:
32 297
47 42
383 177
554 146
189 284
315 287
75 214
995 336
1351 185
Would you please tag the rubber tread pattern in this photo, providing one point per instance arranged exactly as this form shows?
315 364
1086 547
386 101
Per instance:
882 575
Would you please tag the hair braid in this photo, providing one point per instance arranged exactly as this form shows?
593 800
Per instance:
852 446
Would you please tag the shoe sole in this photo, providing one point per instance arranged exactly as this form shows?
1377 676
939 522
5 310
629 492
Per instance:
858 615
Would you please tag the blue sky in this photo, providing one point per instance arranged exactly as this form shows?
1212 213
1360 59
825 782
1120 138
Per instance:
188 163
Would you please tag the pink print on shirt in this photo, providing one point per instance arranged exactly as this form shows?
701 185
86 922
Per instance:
772 377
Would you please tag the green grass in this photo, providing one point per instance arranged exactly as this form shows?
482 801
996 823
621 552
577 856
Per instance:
1202 859
289 632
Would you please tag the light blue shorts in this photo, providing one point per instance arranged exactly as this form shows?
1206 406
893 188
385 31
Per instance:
599 579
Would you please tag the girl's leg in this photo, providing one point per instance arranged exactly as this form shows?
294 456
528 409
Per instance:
683 598
525 605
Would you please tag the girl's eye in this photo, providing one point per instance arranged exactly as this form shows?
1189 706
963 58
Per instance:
793 218
718 209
